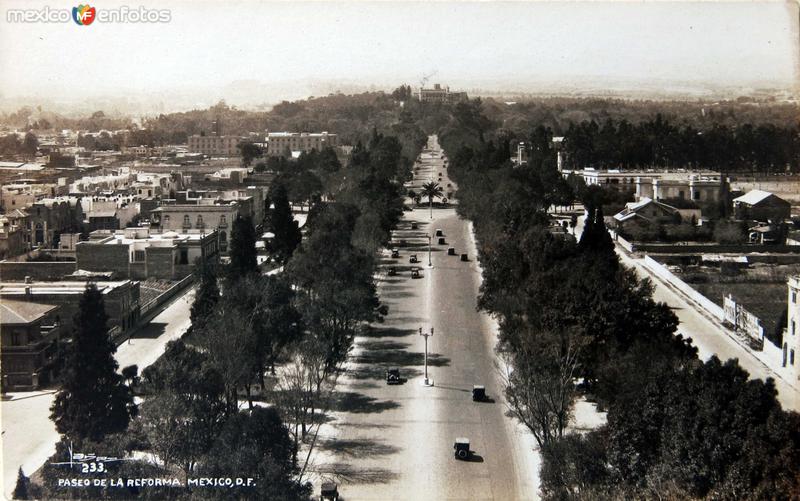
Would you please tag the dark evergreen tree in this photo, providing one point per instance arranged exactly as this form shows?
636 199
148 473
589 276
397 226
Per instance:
93 400
21 489
283 226
207 293
243 248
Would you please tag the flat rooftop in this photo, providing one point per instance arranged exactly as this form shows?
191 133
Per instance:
63 287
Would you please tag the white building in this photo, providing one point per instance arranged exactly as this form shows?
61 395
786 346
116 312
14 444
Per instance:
226 146
280 142
791 338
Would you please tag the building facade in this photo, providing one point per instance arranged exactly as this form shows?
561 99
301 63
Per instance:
278 143
31 342
439 94
121 299
185 217
226 146
139 253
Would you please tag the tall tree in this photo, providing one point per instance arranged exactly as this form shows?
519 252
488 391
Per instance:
207 295
93 400
21 489
243 248
431 190
185 409
287 235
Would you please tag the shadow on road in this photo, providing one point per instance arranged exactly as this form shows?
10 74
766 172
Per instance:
473 458
387 332
150 331
379 372
349 401
353 474
395 358
359 447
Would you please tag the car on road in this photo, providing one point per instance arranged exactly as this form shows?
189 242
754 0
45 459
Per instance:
478 393
413 258
464 257
329 492
395 252
414 225
461 448
439 232
392 271
393 376
442 241
451 251
415 272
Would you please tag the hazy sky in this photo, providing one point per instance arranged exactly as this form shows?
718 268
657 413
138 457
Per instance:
209 44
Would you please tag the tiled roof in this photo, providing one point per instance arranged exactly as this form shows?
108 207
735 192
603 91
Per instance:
13 312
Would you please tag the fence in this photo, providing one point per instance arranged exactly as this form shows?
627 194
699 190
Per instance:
663 273
168 294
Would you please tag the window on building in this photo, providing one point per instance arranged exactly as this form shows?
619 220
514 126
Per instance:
696 195
199 221
16 339
138 256
791 357
793 327
794 297
681 194
186 221
166 219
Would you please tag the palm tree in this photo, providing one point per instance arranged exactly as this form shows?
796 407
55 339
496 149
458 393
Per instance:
431 190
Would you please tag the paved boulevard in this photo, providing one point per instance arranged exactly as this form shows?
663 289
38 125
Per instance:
397 441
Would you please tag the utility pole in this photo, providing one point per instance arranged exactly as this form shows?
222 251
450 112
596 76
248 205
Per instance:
426 335
430 265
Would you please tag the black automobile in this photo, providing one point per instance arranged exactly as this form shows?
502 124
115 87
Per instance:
415 272
478 393
392 271
395 252
413 258
414 225
464 257
461 448
451 251
393 376
329 492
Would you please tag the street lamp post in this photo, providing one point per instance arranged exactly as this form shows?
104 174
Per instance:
426 335
430 265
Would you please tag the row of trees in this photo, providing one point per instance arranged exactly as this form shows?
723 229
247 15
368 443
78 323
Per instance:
574 321
280 339
660 143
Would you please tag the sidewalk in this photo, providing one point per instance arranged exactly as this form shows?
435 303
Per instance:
28 434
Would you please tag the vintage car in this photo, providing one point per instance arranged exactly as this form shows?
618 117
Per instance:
464 257
451 251
478 393
392 271
393 376
461 448
439 232
414 225
329 492
442 241
415 272
413 258
395 252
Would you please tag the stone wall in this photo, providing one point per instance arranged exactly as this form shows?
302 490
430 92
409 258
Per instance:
13 271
